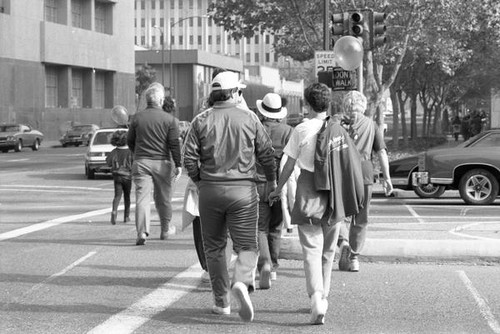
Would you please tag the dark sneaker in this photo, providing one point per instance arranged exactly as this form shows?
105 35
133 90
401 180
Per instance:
345 252
240 293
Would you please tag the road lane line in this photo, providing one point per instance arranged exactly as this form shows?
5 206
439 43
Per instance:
456 231
481 302
414 213
50 187
62 272
152 304
58 221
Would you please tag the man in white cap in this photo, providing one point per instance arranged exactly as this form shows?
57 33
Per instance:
270 217
220 154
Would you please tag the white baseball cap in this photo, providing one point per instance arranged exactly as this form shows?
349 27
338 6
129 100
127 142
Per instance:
226 80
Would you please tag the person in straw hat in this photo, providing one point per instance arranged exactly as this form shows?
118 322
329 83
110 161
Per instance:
272 113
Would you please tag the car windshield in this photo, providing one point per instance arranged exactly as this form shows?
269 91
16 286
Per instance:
9 128
82 128
102 138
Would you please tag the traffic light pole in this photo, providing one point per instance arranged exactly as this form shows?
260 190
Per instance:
326 26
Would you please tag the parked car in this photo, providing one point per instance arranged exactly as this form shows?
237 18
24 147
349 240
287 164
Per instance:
78 135
16 136
472 167
401 171
99 147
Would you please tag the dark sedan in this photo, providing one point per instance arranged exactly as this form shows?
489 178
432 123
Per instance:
401 171
16 136
472 167
78 135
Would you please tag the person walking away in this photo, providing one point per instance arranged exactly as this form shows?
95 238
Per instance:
368 139
220 152
456 125
153 137
317 229
120 161
270 217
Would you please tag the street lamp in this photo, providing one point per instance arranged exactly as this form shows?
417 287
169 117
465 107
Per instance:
170 51
162 55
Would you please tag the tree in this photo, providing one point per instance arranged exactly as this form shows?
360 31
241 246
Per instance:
144 77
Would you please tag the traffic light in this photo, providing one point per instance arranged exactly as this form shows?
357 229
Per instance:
339 26
378 28
356 21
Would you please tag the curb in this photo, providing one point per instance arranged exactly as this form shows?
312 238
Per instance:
405 250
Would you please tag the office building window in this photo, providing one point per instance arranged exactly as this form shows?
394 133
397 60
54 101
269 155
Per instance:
275 57
268 57
102 16
229 40
257 58
172 21
181 23
199 4
143 40
76 14
256 39
180 4
51 87
199 40
153 4
143 5
153 40
50 10
191 4
172 40
135 23
100 90
199 21
76 89
181 40
191 39
153 22
210 40
162 22
162 4
209 21
143 23
237 42
135 40
248 40
267 39
191 22
218 40
247 57
172 4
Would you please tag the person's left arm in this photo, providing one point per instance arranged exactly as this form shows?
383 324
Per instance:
191 153
174 146
381 149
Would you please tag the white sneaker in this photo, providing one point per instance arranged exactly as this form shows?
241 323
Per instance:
221 310
354 265
274 276
240 293
318 309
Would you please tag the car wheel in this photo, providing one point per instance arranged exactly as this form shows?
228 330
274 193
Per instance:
478 187
64 145
19 146
36 145
5 150
429 190
77 144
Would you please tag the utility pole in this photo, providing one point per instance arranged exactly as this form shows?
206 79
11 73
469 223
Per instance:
326 28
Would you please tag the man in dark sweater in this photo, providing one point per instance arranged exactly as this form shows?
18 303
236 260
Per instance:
153 137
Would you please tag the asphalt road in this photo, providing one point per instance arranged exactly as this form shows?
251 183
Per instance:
65 269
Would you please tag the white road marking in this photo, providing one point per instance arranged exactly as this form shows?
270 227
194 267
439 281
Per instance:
62 272
414 213
58 221
481 302
456 231
150 305
49 187
51 191
16 160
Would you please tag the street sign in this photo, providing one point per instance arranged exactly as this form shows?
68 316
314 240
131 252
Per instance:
329 73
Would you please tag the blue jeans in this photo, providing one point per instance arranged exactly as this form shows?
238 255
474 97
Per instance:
123 185
356 233
148 173
229 205
270 219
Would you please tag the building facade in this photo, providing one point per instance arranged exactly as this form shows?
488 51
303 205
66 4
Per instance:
65 61
182 24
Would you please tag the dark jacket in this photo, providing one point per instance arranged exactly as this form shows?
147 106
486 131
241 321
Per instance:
337 166
224 143
280 134
120 161
154 134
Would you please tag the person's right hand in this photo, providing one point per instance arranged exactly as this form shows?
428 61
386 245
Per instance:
274 196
